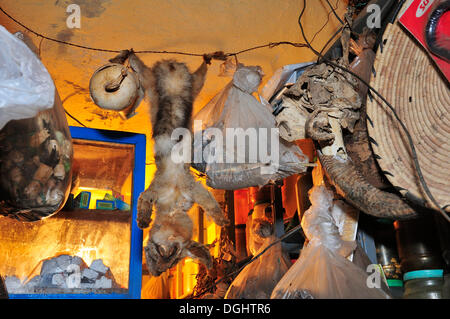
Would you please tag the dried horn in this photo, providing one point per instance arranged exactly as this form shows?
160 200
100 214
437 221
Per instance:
350 184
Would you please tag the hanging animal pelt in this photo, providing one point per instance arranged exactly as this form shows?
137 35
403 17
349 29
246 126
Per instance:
171 89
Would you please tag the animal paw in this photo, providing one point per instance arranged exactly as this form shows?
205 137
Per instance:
200 252
220 219
145 208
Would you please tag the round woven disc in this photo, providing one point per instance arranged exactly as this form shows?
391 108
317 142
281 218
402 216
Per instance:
408 79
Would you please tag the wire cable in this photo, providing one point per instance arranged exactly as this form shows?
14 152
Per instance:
268 45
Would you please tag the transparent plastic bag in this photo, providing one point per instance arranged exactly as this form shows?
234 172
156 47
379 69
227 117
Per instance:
25 85
36 156
322 271
257 280
258 227
234 113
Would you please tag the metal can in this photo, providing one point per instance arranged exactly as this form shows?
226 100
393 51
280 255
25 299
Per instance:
418 244
424 284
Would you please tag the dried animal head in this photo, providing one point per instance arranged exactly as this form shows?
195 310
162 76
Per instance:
170 241
291 121
319 92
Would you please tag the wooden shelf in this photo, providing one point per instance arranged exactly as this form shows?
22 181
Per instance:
95 215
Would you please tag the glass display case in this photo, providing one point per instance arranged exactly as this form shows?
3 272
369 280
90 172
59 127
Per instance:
92 248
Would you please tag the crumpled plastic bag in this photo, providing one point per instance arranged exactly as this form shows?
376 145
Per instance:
258 227
261 156
257 280
322 271
26 87
35 142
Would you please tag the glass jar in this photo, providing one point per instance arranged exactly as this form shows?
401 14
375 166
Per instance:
418 244
35 165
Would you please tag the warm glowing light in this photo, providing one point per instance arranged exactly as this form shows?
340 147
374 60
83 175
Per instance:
317 175
213 233
88 254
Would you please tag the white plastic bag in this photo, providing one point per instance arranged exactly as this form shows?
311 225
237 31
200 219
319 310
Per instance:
25 85
258 227
257 280
35 142
322 271
233 114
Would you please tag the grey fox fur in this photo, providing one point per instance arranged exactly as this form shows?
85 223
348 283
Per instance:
171 90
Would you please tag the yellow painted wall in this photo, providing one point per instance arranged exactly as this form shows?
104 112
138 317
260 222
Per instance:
197 26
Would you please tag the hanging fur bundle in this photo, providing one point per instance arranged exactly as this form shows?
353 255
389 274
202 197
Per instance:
171 90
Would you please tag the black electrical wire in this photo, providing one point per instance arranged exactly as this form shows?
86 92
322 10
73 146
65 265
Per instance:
268 45
326 22
334 12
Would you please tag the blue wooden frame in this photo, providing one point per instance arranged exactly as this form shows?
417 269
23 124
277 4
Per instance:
135 268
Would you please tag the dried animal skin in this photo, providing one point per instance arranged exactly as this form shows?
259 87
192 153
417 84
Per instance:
172 227
334 99
291 121
172 187
170 241
171 89
317 127
319 92
355 189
